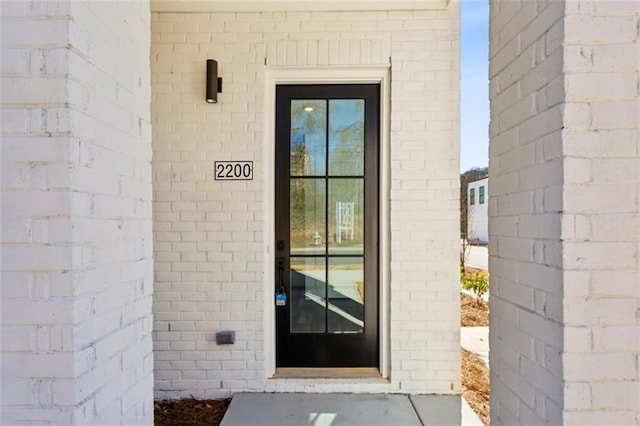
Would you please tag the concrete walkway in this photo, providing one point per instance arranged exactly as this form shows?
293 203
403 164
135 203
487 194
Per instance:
296 409
476 339
478 257
291 409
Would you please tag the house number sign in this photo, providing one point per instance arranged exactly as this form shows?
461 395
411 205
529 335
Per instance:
234 170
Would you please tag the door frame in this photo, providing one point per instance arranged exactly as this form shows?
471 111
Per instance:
324 75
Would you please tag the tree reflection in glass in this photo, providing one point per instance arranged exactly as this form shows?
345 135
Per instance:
346 137
307 215
308 137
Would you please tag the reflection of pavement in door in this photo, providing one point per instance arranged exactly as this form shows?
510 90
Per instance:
344 312
343 283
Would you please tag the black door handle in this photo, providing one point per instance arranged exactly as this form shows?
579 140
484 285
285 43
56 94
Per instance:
281 295
280 266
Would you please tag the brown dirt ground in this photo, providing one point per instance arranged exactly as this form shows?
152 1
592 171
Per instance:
475 373
475 384
473 314
190 412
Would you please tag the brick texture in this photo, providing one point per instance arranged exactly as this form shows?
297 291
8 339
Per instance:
209 243
601 240
525 171
564 225
76 214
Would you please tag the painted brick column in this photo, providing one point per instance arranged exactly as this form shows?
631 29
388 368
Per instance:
563 216
601 220
76 214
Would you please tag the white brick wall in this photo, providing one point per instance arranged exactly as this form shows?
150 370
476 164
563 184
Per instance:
209 240
601 240
75 205
564 205
76 213
525 172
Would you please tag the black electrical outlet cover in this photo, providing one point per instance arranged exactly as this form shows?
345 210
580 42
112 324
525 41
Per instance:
225 337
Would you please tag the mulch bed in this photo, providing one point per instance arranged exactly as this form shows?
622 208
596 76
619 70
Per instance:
473 314
190 412
475 373
475 383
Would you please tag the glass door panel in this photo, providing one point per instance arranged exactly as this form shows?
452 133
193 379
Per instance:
346 137
346 295
307 216
308 137
308 290
346 216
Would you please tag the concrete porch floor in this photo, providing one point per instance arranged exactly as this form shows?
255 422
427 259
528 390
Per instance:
296 409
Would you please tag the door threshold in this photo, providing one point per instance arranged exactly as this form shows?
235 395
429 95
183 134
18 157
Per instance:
327 373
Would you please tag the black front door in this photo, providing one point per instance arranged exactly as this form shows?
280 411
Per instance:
327 225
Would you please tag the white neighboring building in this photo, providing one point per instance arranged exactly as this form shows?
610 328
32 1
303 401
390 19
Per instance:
478 211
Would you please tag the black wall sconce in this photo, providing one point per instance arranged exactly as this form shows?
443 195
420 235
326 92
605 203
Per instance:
214 83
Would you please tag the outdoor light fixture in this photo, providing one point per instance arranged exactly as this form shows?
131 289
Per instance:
214 83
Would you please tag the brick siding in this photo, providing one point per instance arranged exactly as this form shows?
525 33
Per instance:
76 214
209 242
564 225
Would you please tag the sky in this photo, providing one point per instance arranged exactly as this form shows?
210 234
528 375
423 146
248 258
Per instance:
474 85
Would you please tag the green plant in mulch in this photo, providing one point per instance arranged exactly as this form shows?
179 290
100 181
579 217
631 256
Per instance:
476 282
